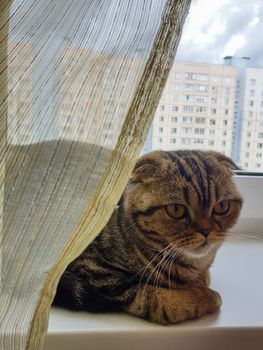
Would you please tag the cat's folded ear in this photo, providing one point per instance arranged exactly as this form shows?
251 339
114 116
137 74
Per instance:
149 167
223 160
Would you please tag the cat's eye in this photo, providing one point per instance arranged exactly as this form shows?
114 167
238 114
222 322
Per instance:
176 211
221 208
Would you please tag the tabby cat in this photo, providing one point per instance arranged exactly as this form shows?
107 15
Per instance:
152 258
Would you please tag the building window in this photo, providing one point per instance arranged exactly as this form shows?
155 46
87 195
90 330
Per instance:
223 143
250 113
214 89
160 129
258 155
224 133
225 122
261 104
249 134
177 86
200 99
161 119
202 76
200 120
212 122
260 145
174 108
260 135
212 132
189 86
198 141
213 101
160 140
199 131
190 76
188 98
174 119
162 108
253 81
187 120
173 130
213 110
252 93
177 76
188 109
186 130
202 88
186 141
251 103
211 142
172 140
258 165
200 109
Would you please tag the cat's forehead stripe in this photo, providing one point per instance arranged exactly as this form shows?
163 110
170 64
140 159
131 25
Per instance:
193 166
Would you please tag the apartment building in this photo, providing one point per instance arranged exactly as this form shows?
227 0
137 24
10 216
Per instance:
196 109
251 145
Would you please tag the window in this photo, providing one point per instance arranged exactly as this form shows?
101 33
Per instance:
190 76
260 135
160 129
177 76
202 76
223 143
162 108
198 141
213 101
251 103
212 132
258 155
253 82
200 99
174 108
173 130
212 122
160 140
200 109
202 88
214 89
189 86
199 131
172 140
177 86
211 142
200 120
225 122
174 119
187 120
186 141
224 132
188 109
252 93
161 118
213 110
186 130
226 111
260 145
261 104
188 98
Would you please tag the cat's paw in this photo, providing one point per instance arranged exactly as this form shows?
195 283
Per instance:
208 301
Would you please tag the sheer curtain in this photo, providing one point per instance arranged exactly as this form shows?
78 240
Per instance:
80 81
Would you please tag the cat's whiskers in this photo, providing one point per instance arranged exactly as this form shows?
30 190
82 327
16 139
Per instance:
159 255
161 266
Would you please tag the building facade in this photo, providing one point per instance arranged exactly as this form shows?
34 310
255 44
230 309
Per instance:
197 108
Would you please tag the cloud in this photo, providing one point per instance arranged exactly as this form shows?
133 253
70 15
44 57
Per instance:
215 29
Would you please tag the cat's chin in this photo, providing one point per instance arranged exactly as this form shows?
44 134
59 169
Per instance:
201 251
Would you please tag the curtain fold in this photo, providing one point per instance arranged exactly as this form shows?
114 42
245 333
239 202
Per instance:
80 82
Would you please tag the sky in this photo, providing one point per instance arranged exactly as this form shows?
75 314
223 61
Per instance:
214 29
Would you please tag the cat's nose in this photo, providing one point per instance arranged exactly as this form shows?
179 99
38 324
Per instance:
205 232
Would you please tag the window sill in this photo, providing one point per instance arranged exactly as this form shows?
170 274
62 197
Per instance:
236 275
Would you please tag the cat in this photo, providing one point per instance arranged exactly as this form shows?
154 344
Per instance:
152 259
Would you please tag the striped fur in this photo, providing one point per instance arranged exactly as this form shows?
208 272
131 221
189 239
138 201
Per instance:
148 263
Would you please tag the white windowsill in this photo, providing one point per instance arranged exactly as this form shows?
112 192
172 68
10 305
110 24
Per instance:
236 275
